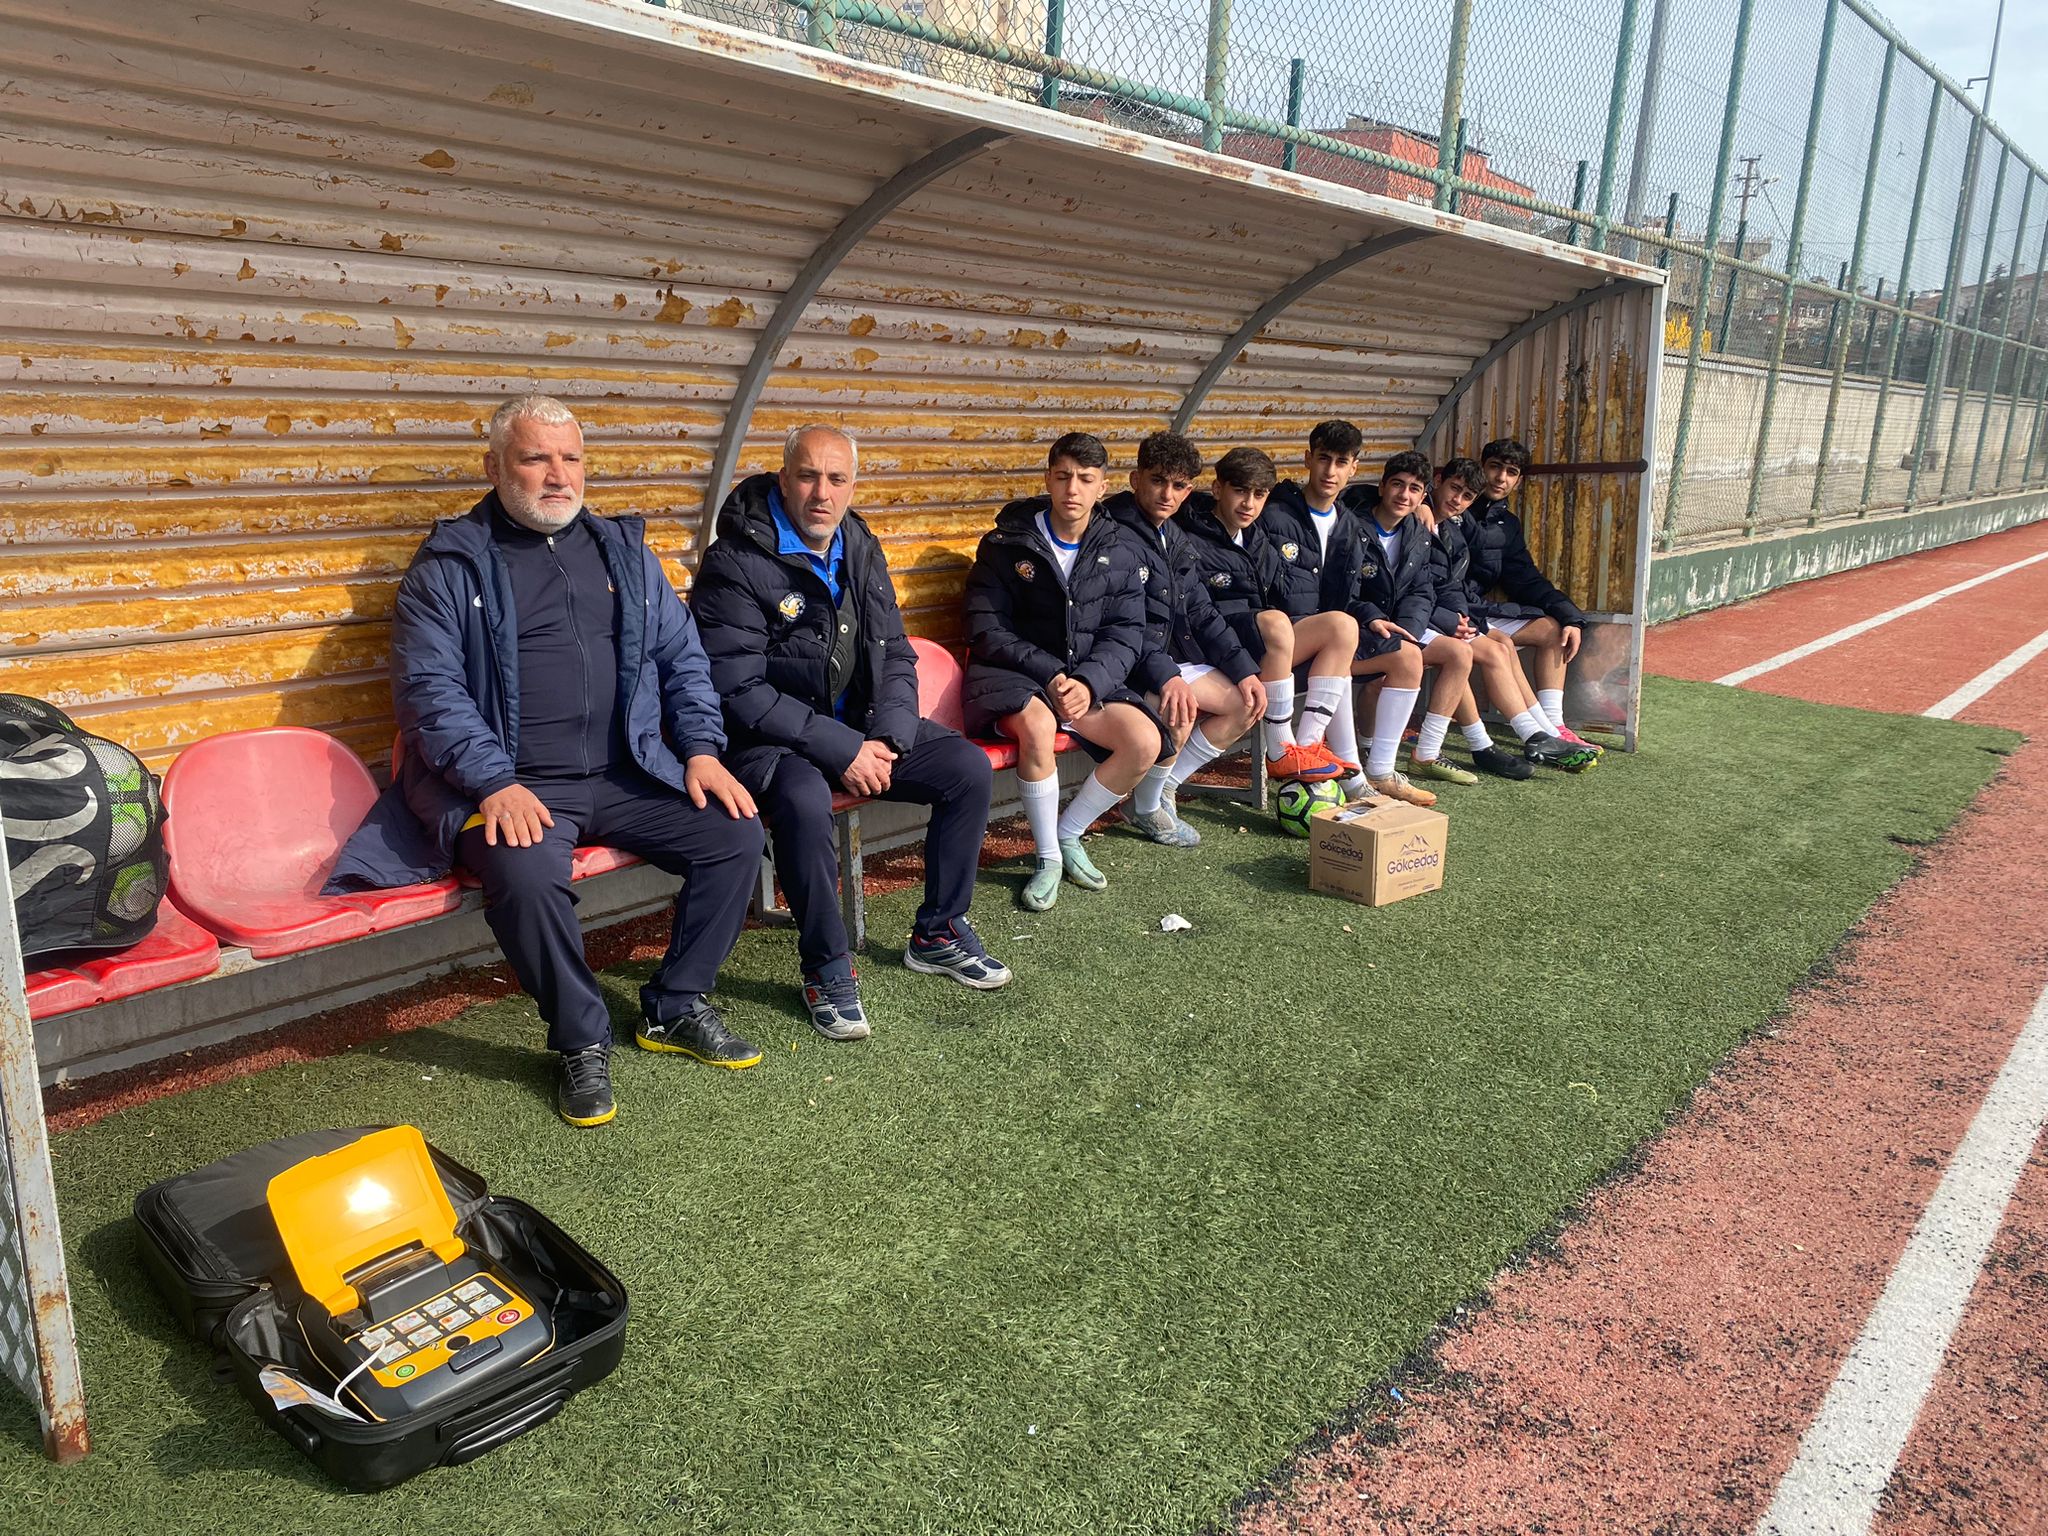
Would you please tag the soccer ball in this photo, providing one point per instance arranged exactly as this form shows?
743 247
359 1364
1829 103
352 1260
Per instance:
1297 802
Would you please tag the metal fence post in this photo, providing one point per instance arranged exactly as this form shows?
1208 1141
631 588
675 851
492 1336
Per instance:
1215 69
1454 100
1675 480
1646 115
1795 250
1734 280
1578 201
1853 281
38 1338
1870 325
1891 355
1450 202
1610 147
1969 369
1670 225
1297 70
1937 362
2029 353
2012 282
2034 430
1055 45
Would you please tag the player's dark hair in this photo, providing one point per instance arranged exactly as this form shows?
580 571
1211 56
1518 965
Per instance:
1466 470
1336 437
1410 463
1509 450
1246 469
1082 448
1168 453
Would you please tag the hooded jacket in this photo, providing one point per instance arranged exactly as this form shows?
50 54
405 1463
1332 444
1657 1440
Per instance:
1407 592
1024 618
769 626
455 688
1240 579
1500 560
1315 579
1181 623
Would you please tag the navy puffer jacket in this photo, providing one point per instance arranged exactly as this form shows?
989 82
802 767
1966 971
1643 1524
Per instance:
1239 578
1181 623
1315 579
768 623
1501 561
1024 619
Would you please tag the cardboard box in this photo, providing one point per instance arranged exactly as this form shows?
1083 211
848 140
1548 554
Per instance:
1376 852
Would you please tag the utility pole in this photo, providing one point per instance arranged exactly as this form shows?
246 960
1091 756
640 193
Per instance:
1749 183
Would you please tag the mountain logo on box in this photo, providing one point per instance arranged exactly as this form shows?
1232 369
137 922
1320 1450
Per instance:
1413 855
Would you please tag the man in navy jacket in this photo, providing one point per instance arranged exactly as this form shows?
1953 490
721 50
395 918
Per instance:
820 688
551 691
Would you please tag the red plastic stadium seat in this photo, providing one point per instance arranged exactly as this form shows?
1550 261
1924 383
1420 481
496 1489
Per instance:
256 819
176 950
583 863
938 699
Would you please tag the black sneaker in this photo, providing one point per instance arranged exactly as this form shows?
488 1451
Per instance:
1502 765
956 952
700 1033
584 1094
834 1006
1556 752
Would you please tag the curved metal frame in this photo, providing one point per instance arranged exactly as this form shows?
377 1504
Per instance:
824 261
1282 301
1507 344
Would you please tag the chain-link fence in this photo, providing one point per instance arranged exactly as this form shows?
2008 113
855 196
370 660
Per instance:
1855 252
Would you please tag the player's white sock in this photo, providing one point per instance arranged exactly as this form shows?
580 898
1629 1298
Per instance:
1475 736
1279 715
1198 754
1429 742
1528 723
1343 738
1325 698
1041 799
1145 798
1089 802
1389 720
1551 702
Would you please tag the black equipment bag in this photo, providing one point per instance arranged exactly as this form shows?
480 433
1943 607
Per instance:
85 845
215 1253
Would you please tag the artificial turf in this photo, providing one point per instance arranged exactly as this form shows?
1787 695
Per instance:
1091 1254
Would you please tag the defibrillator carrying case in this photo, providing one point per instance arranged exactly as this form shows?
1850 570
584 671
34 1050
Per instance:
216 1254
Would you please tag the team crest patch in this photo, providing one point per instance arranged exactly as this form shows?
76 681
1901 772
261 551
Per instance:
1220 579
1144 573
791 605
1370 569
1289 550
1026 571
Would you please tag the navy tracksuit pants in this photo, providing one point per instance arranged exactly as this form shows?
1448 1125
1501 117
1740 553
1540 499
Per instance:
942 770
532 910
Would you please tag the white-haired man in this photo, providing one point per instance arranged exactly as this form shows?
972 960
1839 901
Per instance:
551 690
820 688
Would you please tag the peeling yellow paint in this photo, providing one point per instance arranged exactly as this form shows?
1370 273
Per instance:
1060 337
558 339
860 325
277 423
673 308
246 273
1022 337
618 301
730 313
180 268
438 160
863 356
440 292
390 242
330 317
513 93
401 332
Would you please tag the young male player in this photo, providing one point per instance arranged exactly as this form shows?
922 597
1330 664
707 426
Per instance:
1399 583
1494 655
1244 574
1531 611
1322 545
1055 623
1206 682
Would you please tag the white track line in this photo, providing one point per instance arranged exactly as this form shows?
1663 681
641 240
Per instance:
1988 679
1864 626
1846 1458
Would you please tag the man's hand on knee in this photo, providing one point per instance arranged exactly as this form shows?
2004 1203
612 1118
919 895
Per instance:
515 815
869 773
708 779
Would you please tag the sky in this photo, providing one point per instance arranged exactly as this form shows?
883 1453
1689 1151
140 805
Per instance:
1956 35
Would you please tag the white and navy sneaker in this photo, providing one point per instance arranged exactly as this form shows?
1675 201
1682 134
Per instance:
956 952
834 1007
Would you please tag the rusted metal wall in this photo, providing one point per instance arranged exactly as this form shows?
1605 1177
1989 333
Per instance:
1575 392
264 271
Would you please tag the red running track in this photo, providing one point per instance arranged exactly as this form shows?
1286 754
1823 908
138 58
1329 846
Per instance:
1657 1373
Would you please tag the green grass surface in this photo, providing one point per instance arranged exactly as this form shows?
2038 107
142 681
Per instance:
1089 1255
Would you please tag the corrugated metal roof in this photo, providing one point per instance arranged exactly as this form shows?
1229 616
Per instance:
267 269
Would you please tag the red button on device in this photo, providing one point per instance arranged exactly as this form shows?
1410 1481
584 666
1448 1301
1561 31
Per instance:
509 1315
